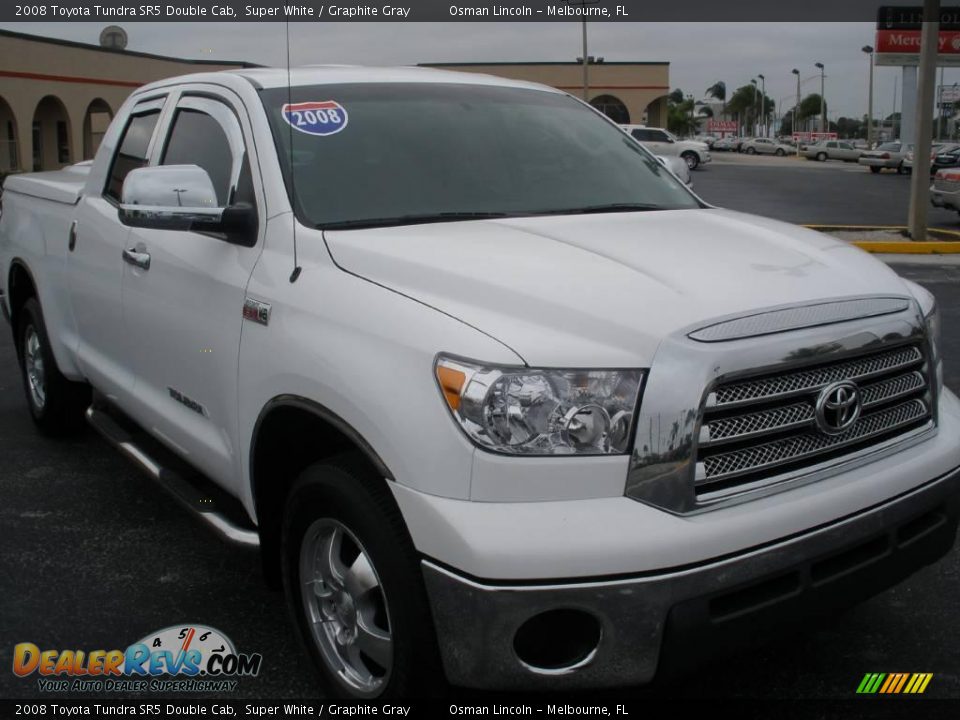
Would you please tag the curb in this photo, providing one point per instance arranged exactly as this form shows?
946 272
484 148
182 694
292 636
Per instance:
949 244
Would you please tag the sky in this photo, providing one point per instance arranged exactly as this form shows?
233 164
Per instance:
699 53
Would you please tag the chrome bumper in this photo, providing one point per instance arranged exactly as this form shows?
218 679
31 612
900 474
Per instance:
646 622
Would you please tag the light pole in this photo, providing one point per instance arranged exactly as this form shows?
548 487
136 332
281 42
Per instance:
869 51
586 58
796 110
823 102
755 116
763 104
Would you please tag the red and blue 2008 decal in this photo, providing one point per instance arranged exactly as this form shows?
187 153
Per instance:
316 118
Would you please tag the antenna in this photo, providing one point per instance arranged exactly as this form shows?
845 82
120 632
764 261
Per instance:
293 174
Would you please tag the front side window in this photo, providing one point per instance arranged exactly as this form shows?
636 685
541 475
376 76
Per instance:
198 139
132 151
401 153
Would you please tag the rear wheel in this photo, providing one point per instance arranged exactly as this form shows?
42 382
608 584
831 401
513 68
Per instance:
780 152
822 157
874 169
353 584
692 160
901 169
751 151
56 404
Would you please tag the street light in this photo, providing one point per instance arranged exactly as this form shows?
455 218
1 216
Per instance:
754 131
823 102
586 58
763 104
869 51
796 111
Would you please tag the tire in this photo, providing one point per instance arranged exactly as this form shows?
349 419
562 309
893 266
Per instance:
779 152
56 404
874 169
344 498
751 151
900 169
692 160
822 157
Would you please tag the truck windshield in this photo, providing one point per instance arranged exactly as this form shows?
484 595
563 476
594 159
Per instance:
372 154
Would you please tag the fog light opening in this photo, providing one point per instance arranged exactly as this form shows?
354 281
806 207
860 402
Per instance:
557 641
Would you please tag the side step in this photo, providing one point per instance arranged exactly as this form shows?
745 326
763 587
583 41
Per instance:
190 496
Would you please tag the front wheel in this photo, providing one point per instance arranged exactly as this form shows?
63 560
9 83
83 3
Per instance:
822 157
901 169
353 584
751 151
874 169
56 404
692 160
780 152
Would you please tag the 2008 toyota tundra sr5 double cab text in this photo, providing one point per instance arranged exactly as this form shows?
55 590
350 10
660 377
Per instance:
496 395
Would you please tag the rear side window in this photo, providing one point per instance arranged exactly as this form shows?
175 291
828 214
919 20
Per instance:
198 139
132 152
642 135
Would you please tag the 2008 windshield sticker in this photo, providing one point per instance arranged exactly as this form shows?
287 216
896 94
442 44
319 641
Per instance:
322 118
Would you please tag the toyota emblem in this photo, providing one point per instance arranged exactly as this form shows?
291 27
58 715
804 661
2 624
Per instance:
838 407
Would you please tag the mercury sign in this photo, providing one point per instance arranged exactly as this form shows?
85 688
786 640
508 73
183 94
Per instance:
721 126
898 36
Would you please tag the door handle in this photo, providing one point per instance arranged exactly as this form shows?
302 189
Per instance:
135 257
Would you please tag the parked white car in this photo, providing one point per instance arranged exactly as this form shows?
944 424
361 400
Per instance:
889 155
678 167
832 150
765 146
662 142
498 399
945 191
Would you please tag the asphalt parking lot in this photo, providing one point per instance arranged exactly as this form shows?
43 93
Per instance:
95 556
809 192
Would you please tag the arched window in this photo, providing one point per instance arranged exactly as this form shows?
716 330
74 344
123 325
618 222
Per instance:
613 108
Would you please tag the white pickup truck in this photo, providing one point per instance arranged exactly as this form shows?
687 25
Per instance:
499 399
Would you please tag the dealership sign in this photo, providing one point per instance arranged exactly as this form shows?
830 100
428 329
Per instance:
898 36
722 126
813 137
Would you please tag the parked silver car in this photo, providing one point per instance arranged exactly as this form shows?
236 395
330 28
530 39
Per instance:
765 146
678 166
832 150
888 155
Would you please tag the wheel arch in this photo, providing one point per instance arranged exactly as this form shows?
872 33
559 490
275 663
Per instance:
21 286
291 433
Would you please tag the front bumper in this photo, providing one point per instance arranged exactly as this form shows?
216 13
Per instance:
651 623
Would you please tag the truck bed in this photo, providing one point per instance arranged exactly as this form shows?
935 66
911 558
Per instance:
61 186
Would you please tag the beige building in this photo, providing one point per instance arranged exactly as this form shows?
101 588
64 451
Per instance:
57 97
628 92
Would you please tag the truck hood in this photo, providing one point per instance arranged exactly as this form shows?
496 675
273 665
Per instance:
603 290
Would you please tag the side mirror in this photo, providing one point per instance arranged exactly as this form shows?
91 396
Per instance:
181 197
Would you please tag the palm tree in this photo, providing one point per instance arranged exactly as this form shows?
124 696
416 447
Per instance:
718 91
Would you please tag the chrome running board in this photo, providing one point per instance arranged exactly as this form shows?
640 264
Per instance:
101 419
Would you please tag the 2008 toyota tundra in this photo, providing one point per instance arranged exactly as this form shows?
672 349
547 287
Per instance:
491 389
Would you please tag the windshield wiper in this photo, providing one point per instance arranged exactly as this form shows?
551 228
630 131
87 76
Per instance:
411 220
607 208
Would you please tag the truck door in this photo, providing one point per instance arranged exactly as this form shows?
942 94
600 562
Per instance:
96 265
184 313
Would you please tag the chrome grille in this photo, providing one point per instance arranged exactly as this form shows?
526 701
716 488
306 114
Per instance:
804 380
753 430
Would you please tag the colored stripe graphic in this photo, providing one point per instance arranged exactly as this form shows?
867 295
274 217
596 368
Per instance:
894 683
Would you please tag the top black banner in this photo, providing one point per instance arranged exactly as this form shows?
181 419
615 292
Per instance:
737 11
898 17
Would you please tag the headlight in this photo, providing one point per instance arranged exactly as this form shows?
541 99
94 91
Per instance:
932 319
529 411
